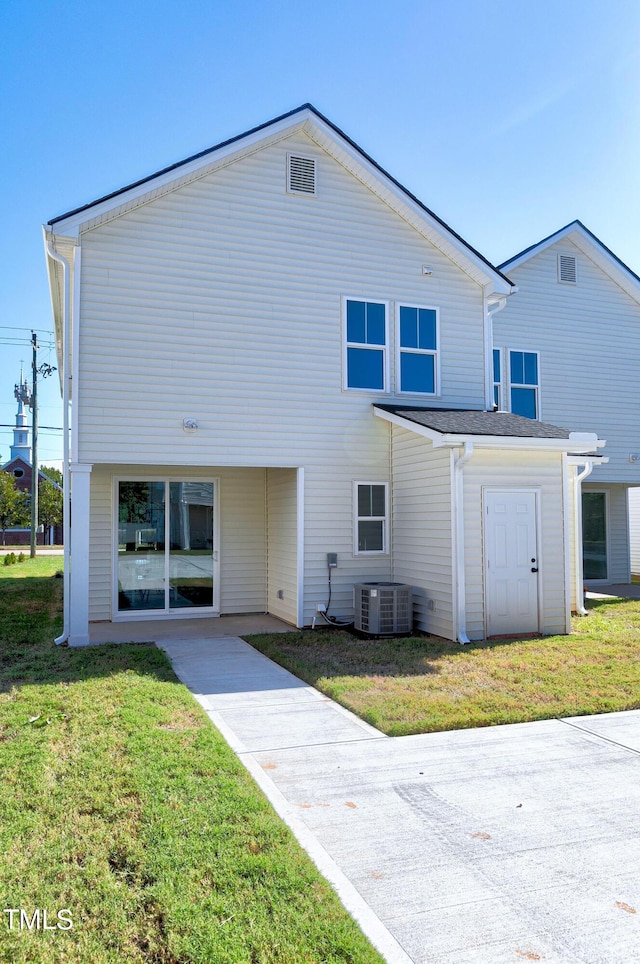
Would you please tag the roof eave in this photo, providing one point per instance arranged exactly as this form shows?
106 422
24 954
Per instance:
572 446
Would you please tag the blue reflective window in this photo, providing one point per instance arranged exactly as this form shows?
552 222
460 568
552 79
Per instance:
496 365
523 368
523 402
417 372
365 368
418 346
366 325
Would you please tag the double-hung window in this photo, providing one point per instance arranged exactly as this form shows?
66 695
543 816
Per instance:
371 516
366 345
418 350
524 385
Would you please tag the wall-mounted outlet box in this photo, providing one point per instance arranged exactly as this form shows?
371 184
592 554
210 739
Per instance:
280 594
332 560
321 608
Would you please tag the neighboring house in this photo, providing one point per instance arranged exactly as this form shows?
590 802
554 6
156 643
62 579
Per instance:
273 352
567 350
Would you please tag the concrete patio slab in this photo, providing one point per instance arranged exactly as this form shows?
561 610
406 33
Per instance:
193 627
493 845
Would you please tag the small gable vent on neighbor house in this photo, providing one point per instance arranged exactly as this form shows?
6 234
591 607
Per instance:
301 174
567 269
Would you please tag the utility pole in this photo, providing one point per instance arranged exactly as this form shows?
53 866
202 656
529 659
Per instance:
34 450
44 370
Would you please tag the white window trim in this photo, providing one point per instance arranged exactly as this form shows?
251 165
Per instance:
509 384
607 521
385 520
418 351
123 615
355 344
499 383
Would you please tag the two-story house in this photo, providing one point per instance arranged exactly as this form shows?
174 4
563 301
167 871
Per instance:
272 351
567 350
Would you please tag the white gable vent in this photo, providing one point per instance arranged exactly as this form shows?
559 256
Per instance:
567 271
301 174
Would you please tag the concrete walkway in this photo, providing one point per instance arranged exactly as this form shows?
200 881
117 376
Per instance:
503 844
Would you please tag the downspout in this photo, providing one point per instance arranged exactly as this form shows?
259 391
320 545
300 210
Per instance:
577 482
461 619
66 502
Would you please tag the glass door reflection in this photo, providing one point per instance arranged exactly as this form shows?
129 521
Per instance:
141 546
190 545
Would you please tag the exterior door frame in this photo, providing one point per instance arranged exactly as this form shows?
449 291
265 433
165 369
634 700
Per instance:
530 490
599 490
118 615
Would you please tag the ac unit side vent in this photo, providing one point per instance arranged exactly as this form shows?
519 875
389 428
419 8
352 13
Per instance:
301 174
383 608
567 269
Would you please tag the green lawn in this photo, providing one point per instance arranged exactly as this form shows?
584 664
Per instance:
120 802
425 684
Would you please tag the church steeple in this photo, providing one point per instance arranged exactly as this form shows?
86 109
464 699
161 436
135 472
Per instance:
21 447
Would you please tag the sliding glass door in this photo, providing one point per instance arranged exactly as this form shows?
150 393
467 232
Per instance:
166 546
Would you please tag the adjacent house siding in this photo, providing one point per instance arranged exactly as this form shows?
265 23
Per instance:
242 533
588 338
422 535
282 534
542 471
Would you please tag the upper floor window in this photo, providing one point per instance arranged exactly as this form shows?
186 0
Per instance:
366 345
371 530
497 378
418 350
524 384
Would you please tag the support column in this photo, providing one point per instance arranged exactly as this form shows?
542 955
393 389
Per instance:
80 478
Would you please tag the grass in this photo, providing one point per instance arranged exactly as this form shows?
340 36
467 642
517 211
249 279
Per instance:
426 684
120 802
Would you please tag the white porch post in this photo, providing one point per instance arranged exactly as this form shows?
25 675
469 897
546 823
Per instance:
79 554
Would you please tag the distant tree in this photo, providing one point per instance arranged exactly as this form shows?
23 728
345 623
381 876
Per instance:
14 505
50 498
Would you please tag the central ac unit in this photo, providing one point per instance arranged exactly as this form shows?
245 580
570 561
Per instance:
383 608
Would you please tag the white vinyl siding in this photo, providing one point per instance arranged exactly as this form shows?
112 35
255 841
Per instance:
282 554
502 469
422 534
587 335
221 301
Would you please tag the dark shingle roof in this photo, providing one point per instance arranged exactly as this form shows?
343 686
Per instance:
455 421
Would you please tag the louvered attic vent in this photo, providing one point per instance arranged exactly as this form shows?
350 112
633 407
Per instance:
567 272
301 174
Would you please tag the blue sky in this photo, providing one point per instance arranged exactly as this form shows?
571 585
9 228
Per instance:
508 119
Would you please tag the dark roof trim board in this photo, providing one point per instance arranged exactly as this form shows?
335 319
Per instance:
452 426
264 127
572 225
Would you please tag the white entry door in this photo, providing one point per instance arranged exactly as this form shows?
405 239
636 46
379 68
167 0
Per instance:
511 561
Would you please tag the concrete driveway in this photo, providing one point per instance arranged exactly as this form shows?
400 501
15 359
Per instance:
505 844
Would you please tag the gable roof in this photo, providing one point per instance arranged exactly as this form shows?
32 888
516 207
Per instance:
327 136
592 247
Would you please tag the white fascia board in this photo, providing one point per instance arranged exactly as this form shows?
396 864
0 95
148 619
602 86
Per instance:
392 194
73 225
574 446
592 249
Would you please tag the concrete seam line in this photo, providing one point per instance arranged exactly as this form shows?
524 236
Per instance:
354 903
599 736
